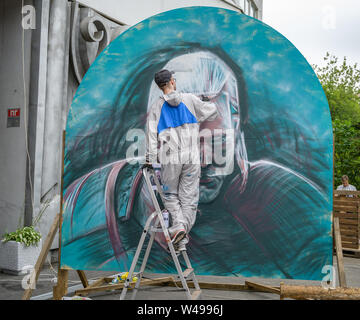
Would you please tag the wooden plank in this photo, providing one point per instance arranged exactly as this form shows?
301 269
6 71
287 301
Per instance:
318 293
346 232
339 253
62 284
349 209
42 256
345 202
144 282
352 250
83 278
349 239
349 226
350 230
262 288
346 215
96 283
348 221
343 192
346 244
350 246
248 286
212 285
345 198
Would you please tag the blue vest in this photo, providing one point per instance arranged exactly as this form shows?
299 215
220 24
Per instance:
172 117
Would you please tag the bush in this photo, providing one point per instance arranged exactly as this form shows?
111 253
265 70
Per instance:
347 152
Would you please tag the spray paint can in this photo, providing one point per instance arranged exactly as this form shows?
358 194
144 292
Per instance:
165 214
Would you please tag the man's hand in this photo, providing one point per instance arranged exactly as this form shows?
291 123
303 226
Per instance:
204 98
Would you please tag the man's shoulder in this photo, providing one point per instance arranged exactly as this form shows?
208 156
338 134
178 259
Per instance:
187 95
158 102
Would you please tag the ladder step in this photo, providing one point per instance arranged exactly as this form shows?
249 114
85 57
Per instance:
154 229
187 272
196 295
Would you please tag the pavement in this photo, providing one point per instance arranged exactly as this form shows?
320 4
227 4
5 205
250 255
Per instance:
11 285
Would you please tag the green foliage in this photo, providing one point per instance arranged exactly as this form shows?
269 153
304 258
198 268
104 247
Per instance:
341 83
27 235
347 152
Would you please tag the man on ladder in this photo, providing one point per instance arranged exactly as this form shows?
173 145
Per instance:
173 123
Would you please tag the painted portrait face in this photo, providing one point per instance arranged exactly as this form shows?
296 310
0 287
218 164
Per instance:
204 74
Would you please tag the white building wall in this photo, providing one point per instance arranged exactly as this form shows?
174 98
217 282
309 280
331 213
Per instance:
132 12
12 139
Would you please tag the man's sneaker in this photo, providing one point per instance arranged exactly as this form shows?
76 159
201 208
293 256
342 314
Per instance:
181 246
179 235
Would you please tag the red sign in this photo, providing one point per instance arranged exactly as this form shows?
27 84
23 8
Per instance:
13 113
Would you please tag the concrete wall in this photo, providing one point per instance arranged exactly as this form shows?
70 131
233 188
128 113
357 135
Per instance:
12 142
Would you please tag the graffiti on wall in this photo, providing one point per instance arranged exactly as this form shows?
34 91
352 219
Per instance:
264 211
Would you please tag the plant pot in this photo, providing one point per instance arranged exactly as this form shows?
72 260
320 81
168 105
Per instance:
16 258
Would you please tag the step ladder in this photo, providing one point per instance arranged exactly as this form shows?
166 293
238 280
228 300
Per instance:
151 228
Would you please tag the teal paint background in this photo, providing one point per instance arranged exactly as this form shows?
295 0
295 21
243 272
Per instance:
287 233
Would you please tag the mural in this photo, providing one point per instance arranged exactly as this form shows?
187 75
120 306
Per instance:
268 214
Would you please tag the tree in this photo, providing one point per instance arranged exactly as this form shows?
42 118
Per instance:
347 152
341 83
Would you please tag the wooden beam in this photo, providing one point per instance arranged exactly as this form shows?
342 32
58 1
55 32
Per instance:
83 278
144 282
248 286
41 259
262 288
212 285
339 253
318 293
62 284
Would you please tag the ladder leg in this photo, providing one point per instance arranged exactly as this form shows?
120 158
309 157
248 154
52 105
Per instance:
136 257
174 257
143 265
160 218
188 265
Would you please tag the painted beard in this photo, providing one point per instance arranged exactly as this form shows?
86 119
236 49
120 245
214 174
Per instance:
210 187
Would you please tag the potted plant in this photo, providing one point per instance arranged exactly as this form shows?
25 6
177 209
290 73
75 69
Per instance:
19 250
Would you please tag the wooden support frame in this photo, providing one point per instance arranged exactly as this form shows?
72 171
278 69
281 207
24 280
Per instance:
318 293
104 284
43 253
339 253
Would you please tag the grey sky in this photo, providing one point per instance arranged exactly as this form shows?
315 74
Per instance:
318 26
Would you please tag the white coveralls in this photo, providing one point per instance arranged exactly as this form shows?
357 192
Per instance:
173 129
